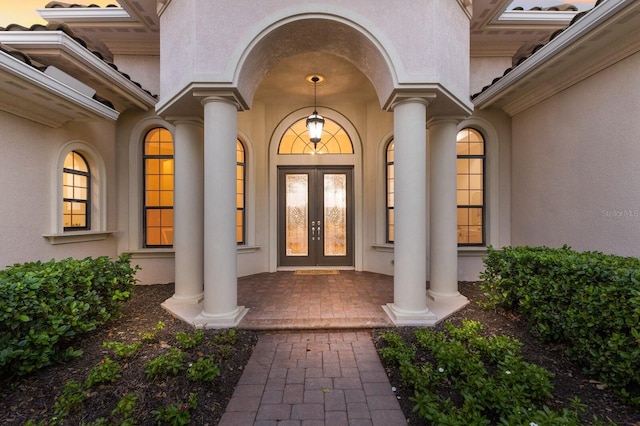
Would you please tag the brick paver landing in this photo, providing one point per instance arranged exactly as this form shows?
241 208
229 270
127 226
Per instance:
287 301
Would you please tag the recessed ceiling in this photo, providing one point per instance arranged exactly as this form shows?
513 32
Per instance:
287 81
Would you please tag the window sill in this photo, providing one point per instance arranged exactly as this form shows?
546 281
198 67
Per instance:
154 253
478 251
151 253
384 248
77 237
247 249
462 251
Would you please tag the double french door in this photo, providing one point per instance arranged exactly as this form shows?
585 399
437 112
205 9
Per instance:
315 216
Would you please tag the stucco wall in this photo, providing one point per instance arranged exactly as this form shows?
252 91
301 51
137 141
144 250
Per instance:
484 69
576 178
27 189
424 43
142 69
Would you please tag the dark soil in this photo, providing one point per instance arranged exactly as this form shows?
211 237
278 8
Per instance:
569 381
33 397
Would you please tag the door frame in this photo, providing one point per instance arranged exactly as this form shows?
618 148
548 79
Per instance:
354 160
315 212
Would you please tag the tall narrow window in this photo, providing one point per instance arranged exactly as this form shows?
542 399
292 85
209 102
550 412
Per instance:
76 193
471 194
158 188
390 201
240 192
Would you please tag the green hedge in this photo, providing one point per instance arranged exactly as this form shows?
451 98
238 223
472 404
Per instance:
43 306
589 301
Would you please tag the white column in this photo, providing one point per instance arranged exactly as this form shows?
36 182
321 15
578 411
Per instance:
188 211
410 246
443 217
220 248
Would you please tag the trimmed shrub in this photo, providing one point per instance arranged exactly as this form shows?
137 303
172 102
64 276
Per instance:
43 306
589 301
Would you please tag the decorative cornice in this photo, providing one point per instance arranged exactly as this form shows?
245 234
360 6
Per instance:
592 27
47 42
399 96
31 82
85 14
467 7
133 47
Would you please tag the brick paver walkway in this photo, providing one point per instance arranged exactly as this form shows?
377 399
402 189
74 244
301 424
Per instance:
314 378
306 369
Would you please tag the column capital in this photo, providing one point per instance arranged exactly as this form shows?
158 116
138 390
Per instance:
177 120
401 97
443 119
227 96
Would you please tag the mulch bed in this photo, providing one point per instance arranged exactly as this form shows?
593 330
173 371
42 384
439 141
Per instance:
33 397
569 381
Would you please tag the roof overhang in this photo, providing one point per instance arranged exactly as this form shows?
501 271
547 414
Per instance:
36 96
577 53
58 49
111 30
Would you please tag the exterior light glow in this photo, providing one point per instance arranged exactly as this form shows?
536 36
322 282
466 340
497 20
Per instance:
315 122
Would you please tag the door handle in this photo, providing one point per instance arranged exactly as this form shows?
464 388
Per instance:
314 230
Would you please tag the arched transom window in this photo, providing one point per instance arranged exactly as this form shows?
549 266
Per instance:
334 140
76 193
471 184
158 188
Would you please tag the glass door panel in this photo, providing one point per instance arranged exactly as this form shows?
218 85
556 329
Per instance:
297 214
335 214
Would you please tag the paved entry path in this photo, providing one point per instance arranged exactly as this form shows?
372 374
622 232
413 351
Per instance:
314 378
291 301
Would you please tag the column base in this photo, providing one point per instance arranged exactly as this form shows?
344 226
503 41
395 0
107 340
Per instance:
444 305
225 320
187 300
404 317
192 313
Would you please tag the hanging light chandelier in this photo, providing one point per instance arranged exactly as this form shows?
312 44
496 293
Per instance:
315 122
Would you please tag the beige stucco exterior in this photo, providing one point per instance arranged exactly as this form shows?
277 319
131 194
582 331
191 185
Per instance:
559 131
578 152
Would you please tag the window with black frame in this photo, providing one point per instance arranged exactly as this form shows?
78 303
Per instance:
241 163
390 191
471 150
158 188
76 193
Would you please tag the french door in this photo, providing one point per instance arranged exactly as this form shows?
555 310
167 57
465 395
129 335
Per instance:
315 216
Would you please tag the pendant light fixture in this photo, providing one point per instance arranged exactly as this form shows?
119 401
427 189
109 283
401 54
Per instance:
315 121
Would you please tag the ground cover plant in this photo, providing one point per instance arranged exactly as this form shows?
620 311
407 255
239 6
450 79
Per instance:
145 368
588 301
46 305
460 377
134 398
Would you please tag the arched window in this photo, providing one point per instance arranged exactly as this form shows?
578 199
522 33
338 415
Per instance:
158 188
76 193
334 140
390 191
241 163
471 184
